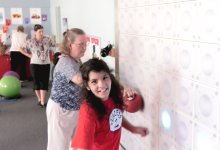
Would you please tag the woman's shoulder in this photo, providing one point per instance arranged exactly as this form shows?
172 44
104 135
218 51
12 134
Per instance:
64 59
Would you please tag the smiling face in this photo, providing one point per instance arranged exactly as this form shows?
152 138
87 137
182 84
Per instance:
100 84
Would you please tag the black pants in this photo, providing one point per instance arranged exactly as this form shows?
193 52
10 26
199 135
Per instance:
40 75
18 62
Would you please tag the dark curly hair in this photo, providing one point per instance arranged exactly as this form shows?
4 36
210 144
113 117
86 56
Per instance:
96 103
56 58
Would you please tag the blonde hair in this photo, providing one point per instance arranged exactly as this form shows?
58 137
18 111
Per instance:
69 38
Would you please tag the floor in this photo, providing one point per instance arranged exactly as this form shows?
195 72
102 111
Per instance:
23 123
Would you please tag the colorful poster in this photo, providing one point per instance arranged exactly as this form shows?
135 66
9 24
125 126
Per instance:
2 16
35 15
16 16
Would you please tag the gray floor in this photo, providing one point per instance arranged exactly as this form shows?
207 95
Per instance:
23 124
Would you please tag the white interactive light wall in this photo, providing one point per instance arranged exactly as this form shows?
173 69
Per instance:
169 50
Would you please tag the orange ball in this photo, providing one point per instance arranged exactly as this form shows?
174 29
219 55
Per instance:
133 104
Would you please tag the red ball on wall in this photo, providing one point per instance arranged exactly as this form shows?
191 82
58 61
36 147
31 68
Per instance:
133 104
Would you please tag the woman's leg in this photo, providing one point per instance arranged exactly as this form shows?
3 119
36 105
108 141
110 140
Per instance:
44 79
43 94
61 126
37 92
36 80
14 61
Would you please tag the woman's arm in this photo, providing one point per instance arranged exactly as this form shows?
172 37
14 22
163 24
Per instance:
143 131
77 79
24 52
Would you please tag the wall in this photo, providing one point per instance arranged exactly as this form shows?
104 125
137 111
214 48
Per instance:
26 5
171 49
95 17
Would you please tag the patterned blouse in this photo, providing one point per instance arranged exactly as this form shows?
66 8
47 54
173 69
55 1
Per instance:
64 92
40 49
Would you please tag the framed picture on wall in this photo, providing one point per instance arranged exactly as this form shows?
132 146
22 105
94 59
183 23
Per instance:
35 15
16 16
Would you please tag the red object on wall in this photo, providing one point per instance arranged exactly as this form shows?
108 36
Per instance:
8 22
133 104
5 64
5 29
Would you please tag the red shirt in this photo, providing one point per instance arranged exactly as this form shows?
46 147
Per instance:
95 135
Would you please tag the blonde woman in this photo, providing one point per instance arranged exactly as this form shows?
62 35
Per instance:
64 101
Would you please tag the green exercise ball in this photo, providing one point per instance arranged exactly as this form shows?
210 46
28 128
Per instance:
10 87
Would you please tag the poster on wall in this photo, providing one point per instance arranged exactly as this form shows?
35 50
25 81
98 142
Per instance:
26 20
65 24
35 15
44 17
16 16
93 48
2 16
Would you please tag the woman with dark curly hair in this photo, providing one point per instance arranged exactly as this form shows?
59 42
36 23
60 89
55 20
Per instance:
100 117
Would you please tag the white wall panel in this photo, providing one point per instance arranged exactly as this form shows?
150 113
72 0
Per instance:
167 88
153 51
123 17
183 131
167 55
126 46
184 96
139 51
205 139
153 84
153 18
168 17
131 21
207 106
172 47
186 59
139 21
151 113
208 60
165 143
208 21
186 24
